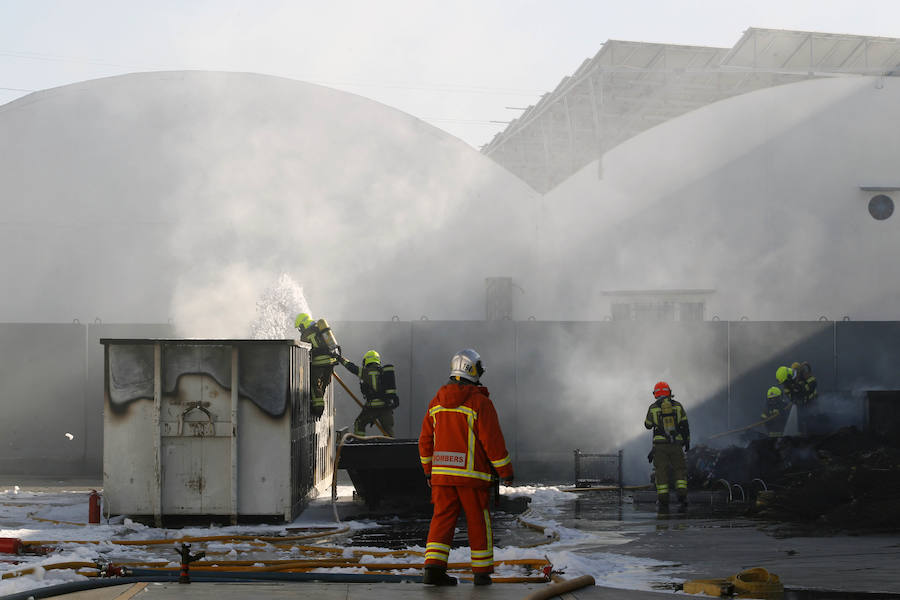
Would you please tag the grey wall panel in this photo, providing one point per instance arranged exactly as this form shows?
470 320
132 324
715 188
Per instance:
557 386
435 342
43 371
868 355
392 340
588 385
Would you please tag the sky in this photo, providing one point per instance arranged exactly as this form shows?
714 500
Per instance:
465 66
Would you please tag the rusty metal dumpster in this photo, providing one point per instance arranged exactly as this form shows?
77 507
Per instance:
212 428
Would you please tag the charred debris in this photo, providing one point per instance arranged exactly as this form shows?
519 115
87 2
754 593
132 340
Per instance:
844 481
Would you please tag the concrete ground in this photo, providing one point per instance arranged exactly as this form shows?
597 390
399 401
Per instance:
701 549
715 548
345 591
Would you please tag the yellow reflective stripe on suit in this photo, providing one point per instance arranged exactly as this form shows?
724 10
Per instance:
460 473
471 416
503 461
437 551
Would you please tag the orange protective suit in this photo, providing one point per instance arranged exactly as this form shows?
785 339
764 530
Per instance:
460 446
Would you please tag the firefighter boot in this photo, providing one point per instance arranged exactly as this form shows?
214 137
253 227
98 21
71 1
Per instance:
435 575
482 579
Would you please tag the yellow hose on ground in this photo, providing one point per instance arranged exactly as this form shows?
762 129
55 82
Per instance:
749 581
51 567
305 565
332 550
560 587
211 538
459 569
294 566
55 522
288 565
758 581
554 535
608 488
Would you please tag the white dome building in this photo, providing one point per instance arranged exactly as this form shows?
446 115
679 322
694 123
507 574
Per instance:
772 205
182 195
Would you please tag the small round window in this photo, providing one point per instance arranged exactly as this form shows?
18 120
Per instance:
881 207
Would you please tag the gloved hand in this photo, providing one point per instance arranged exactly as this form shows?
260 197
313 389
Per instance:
316 411
687 445
650 455
508 481
394 402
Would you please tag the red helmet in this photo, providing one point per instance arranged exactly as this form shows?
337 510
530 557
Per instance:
661 390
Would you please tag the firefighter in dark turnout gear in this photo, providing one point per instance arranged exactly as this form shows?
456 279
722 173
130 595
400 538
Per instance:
379 389
322 357
801 388
778 407
668 420
810 384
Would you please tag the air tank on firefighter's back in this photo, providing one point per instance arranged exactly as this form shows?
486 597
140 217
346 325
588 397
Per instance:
327 335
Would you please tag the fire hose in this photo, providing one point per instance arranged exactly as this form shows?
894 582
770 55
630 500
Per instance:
361 405
210 538
561 586
751 426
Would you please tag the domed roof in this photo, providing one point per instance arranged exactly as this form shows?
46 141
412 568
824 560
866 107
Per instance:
763 198
182 194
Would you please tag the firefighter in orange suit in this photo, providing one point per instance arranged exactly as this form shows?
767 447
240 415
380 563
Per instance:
460 447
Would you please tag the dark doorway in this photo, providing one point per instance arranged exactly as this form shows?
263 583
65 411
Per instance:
883 414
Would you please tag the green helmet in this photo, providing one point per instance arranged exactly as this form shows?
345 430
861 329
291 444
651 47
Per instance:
303 320
371 357
773 392
783 374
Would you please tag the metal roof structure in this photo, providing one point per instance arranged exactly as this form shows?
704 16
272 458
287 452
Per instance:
628 87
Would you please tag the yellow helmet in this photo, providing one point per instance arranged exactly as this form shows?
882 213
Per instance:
783 374
303 320
795 366
371 357
773 392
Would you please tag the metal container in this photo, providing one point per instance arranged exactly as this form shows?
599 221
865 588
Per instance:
386 473
212 427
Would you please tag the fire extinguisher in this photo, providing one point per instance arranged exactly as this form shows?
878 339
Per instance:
94 507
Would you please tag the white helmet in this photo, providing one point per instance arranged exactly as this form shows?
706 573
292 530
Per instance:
467 365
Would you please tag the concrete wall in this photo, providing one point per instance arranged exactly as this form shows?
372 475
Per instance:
51 384
561 386
557 386
43 397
